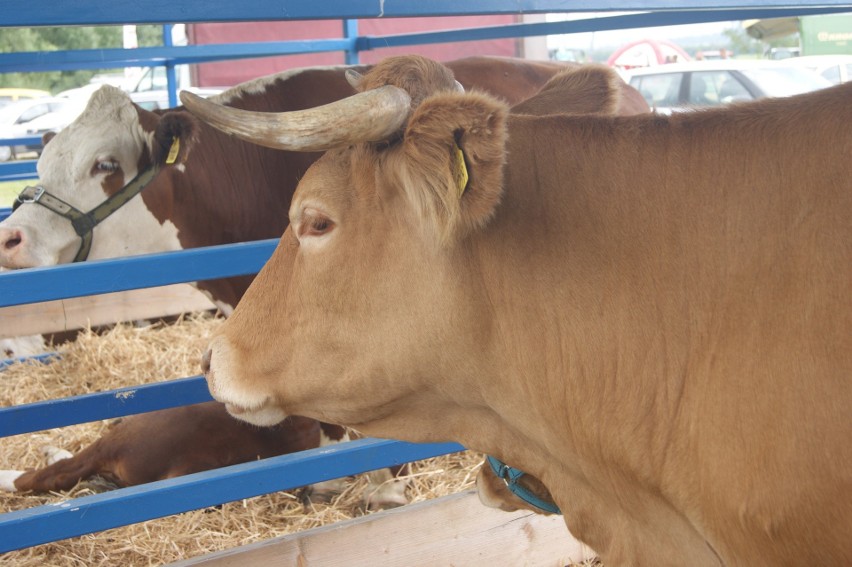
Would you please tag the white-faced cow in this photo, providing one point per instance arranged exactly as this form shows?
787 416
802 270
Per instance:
650 314
218 190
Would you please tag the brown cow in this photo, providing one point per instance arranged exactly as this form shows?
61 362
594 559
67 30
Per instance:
189 198
651 314
200 437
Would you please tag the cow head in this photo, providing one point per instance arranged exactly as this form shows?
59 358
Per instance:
105 148
377 232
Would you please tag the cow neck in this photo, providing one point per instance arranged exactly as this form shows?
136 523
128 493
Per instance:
84 223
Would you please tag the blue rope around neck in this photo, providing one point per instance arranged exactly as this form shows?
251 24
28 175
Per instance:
511 476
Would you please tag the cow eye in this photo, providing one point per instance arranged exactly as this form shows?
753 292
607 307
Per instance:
317 226
106 166
314 223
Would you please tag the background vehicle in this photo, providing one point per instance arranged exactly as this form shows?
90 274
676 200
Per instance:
835 68
16 120
678 87
11 95
150 90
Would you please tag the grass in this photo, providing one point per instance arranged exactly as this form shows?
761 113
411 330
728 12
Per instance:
10 189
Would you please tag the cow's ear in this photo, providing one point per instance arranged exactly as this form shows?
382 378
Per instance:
454 150
173 138
584 89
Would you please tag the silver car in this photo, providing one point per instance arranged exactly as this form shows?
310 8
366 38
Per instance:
683 86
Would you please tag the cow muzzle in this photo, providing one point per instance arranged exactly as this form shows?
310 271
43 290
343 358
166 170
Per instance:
243 401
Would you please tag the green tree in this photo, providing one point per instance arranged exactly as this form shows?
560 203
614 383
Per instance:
13 40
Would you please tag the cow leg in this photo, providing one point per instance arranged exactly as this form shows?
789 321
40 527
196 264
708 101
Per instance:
386 489
55 454
63 474
326 490
9 478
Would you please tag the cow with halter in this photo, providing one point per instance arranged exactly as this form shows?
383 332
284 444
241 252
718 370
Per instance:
180 171
650 315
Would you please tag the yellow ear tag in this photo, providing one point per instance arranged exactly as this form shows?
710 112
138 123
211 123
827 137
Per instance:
173 151
460 170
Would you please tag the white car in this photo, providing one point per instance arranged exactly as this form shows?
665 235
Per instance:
835 68
16 119
682 86
150 90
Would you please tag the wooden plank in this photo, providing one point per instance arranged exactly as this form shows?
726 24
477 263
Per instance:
77 313
453 530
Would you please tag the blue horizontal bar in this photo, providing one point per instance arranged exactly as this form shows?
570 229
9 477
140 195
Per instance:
89 514
23 167
48 414
630 21
17 177
30 61
150 270
109 58
4 213
21 141
100 12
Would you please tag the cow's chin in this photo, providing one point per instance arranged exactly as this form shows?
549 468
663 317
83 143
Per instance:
26 261
266 416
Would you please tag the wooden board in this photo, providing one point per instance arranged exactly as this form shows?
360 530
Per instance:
454 530
77 313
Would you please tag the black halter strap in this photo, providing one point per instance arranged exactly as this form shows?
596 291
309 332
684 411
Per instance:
85 223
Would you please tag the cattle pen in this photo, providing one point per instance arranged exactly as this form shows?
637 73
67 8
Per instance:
454 529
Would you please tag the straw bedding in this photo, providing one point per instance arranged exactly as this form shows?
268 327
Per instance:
128 355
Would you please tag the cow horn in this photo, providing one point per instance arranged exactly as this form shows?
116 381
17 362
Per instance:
370 116
354 78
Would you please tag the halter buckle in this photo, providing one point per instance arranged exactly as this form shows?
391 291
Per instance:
26 198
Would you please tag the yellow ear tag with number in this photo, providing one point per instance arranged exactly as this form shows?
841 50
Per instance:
173 151
460 170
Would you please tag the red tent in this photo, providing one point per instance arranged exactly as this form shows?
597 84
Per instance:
647 52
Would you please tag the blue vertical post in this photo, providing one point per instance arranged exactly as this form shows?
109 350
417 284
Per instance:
350 32
171 76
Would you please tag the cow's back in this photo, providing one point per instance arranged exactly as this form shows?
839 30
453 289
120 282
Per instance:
512 80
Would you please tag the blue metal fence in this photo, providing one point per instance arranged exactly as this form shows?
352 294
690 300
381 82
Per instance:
121 507
351 44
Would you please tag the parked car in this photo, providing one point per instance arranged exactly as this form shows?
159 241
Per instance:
150 90
16 119
835 68
12 95
682 86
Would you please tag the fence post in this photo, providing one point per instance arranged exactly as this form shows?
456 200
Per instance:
350 31
171 76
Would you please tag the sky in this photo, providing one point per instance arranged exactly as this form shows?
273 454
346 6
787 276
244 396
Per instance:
604 39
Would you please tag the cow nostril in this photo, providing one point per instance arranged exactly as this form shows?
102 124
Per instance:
205 361
13 240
